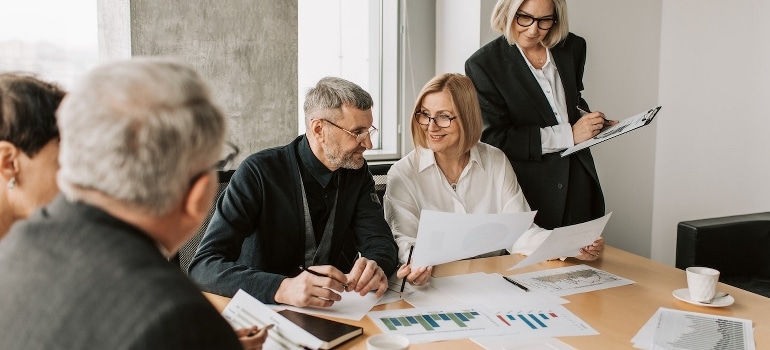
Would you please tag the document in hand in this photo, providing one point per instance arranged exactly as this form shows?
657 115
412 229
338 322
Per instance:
622 127
288 330
444 237
566 241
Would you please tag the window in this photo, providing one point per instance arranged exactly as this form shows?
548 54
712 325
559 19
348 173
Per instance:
36 37
356 40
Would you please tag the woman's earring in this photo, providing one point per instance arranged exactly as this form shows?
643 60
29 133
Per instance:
12 183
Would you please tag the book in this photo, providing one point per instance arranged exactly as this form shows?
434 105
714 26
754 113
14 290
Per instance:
331 332
622 127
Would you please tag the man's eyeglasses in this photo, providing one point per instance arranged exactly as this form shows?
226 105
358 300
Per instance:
232 152
542 23
441 120
359 136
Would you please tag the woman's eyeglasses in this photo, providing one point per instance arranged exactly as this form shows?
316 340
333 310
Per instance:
542 23
441 120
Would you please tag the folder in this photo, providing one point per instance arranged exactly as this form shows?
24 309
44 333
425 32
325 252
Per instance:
622 127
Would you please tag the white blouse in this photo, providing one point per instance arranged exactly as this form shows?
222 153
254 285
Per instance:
486 185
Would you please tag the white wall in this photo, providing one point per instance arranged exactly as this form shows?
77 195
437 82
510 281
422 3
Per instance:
712 145
621 80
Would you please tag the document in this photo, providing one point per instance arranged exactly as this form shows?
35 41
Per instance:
682 330
351 307
490 290
514 343
569 280
622 127
445 237
244 311
566 241
423 325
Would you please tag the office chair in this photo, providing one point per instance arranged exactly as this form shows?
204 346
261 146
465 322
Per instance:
185 254
380 175
738 246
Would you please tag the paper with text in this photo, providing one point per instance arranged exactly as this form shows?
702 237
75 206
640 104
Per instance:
570 280
352 306
245 311
566 241
445 237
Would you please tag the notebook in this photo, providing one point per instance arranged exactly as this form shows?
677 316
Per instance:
332 333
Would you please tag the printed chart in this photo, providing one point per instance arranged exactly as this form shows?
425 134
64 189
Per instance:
423 325
570 280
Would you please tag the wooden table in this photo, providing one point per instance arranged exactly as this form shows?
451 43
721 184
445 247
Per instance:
616 313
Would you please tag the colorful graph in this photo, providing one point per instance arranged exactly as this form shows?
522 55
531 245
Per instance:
534 321
430 322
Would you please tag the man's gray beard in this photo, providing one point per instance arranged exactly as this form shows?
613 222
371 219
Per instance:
346 162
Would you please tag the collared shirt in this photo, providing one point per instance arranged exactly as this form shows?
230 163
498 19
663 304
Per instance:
320 187
558 137
486 185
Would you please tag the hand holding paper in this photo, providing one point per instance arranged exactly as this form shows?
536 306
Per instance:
566 241
444 237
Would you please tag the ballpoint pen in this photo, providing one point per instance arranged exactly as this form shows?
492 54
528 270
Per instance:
584 112
408 260
517 284
254 332
315 273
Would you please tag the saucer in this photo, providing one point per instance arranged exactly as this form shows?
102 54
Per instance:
684 295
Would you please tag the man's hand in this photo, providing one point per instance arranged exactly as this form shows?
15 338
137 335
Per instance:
367 276
252 338
312 289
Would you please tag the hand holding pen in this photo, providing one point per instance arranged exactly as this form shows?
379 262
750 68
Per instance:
589 125
315 286
417 277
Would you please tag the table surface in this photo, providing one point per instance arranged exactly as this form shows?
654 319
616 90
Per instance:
616 313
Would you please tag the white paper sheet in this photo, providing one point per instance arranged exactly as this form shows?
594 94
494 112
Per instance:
351 307
245 311
490 290
570 280
622 127
452 322
445 237
515 343
683 330
566 241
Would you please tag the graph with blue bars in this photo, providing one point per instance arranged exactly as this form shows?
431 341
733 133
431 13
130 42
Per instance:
533 321
432 321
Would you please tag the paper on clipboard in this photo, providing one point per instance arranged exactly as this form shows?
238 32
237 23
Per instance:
622 127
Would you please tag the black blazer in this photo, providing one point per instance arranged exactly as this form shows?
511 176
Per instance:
514 109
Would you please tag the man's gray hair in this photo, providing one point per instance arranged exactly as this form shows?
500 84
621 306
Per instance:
138 131
330 94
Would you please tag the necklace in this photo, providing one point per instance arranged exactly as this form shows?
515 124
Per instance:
453 183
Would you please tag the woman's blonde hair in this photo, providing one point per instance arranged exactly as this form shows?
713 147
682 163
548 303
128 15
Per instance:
504 15
465 103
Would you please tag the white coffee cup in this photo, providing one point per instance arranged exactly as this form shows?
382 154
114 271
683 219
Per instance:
387 342
702 283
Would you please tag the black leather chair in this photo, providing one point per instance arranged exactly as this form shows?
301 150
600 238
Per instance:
186 253
738 246
380 175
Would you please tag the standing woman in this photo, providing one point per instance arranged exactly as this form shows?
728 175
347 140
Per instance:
29 145
529 82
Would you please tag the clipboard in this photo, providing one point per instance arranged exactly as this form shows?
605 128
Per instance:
622 127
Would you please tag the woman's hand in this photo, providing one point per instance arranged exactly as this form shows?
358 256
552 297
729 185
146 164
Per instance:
418 277
589 126
592 251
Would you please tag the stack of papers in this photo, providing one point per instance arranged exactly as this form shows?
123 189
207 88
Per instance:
675 330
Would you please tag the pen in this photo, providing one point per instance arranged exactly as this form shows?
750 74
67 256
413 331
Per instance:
254 332
517 284
584 112
408 260
315 273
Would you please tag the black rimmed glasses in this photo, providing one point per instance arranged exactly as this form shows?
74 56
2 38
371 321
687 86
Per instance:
525 20
231 151
359 136
441 120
